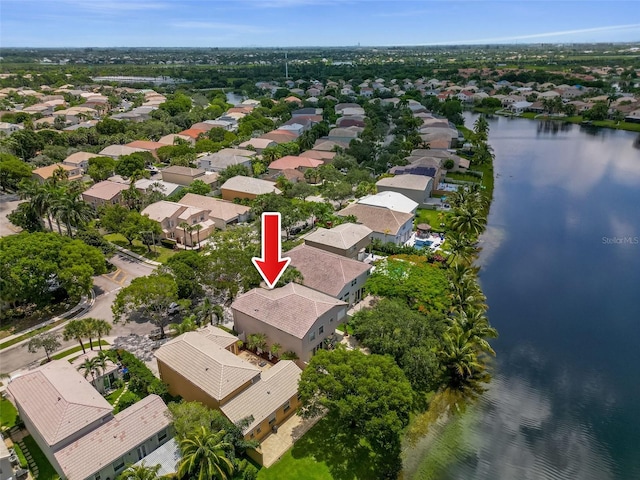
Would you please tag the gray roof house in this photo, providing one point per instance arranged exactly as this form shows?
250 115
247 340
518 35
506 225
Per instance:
387 225
227 157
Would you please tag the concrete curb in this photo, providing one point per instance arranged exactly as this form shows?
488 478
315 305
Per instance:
136 256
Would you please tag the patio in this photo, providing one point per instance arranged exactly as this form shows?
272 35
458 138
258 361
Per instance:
277 444
254 359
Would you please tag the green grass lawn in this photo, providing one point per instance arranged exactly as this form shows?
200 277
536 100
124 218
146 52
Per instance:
113 396
325 453
45 470
463 176
21 457
160 253
433 218
77 348
8 413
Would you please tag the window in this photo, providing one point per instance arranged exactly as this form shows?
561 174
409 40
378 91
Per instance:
321 329
272 419
287 406
252 435
119 465
162 435
353 282
312 336
331 320
97 477
258 430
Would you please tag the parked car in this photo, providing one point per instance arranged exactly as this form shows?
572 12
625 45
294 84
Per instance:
173 308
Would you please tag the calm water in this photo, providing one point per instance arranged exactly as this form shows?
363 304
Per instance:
565 297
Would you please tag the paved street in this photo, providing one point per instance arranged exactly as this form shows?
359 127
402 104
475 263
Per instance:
106 288
8 203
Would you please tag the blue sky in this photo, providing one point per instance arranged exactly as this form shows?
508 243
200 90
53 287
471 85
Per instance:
264 23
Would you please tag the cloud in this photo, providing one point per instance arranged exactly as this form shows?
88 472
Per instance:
234 27
610 28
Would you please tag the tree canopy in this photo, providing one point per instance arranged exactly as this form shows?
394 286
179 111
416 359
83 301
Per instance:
33 266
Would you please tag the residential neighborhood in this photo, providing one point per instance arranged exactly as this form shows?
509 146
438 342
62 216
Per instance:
134 310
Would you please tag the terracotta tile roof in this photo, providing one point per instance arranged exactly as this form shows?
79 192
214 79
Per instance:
275 387
319 155
47 172
222 209
192 132
105 190
146 145
324 271
378 219
204 363
293 308
343 236
58 400
292 161
280 136
109 442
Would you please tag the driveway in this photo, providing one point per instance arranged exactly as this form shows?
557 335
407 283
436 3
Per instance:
106 288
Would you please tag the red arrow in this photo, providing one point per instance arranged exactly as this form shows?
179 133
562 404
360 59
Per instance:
271 266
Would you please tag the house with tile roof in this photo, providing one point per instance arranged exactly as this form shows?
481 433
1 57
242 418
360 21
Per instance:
246 187
387 225
200 370
117 151
222 212
197 366
104 193
79 160
335 275
259 144
392 200
227 157
43 173
349 240
297 317
75 427
415 187
182 175
172 216
293 162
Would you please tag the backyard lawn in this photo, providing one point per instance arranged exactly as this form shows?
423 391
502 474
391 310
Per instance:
8 413
324 453
433 218
45 470
160 253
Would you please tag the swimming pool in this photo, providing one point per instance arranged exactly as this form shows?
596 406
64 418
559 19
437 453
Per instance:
423 243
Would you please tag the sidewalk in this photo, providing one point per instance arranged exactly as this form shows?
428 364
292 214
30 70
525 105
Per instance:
135 255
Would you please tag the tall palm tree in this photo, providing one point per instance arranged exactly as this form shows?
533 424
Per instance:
204 456
90 326
75 330
70 209
101 328
39 197
140 472
190 229
477 326
184 226
197 227
460 247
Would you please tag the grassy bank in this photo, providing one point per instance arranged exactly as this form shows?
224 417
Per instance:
159 253
35 332
78 348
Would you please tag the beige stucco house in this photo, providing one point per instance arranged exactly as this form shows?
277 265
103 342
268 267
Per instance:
387 225
415 187
222 212
348 239
172 215
246 187
104 193
297 317
335 275
75 427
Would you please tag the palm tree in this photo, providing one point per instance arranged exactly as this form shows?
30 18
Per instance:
204 456
476 324
468 220
460 247
70 209
100 329
458 357
197 227
274 350
190 229
187 325
140 472
257 342
39 196
75 330
184 226
93 367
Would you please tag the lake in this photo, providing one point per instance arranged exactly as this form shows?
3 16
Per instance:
561 272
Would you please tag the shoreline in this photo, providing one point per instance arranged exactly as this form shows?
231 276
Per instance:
577 120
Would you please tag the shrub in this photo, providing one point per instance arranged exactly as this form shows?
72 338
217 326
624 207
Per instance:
126 400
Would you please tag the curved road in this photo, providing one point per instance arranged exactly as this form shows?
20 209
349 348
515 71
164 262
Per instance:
106 288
